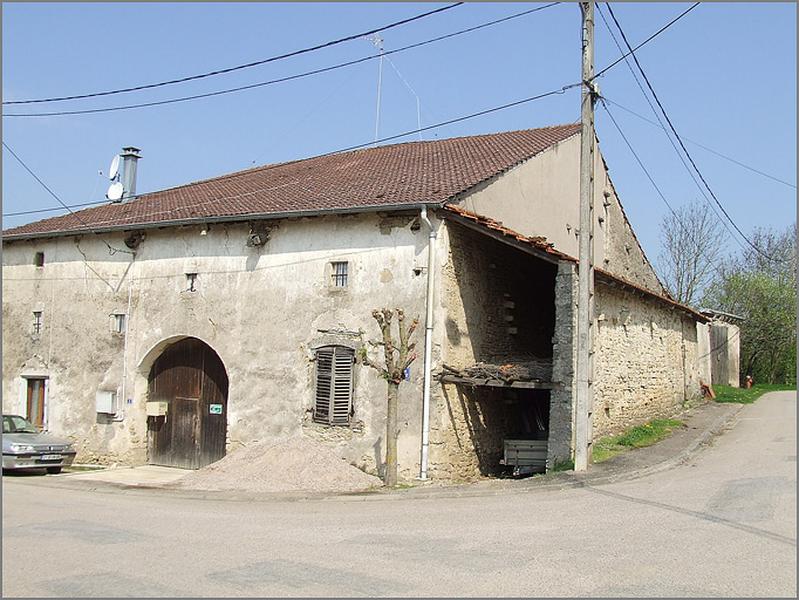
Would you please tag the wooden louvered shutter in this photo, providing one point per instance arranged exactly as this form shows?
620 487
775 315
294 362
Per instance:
333 385
342 385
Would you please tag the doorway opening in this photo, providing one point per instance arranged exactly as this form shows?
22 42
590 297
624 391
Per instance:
35 404
190 382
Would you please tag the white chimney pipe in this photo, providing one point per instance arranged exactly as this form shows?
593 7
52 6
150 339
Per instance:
130 157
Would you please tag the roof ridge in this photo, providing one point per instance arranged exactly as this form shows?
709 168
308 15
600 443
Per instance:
400 173
341 152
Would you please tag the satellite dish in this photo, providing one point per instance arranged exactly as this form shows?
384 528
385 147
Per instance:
114 168
114 192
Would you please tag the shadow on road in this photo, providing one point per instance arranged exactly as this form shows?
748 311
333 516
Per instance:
694 513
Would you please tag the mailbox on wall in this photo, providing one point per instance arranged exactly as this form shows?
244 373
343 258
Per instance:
157 408
106 402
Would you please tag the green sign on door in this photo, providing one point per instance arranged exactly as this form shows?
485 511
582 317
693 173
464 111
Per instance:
215 409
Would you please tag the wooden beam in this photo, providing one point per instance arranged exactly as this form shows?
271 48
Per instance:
474 381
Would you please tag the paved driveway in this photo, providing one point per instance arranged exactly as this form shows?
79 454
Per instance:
722 525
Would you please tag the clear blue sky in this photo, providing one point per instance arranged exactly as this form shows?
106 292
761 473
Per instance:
726 73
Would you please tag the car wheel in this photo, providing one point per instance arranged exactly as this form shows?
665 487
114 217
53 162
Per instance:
54 470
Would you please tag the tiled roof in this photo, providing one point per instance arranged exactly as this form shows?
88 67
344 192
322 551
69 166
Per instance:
541 243
538 242
390 176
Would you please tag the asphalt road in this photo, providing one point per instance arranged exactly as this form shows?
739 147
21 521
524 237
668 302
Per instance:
723 525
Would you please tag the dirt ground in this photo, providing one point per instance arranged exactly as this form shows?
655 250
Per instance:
287 465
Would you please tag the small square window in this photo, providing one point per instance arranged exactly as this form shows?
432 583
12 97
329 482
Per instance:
339 271
191 279
38 259
118 322
37 322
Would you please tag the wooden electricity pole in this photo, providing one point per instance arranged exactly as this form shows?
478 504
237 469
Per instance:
585 295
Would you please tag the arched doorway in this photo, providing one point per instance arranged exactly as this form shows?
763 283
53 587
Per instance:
190 377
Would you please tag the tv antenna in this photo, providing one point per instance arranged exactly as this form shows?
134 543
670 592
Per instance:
377 41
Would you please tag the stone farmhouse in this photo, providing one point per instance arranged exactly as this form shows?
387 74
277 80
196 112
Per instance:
175 326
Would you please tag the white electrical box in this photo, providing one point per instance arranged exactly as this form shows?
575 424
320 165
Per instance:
106 402
157 409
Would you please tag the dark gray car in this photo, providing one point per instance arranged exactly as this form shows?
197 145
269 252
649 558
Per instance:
25 447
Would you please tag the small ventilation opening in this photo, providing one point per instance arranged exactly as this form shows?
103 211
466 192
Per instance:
38 259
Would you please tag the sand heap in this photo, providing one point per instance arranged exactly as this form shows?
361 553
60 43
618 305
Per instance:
287 465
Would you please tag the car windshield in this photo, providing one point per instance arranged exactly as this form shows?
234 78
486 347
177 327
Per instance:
15 424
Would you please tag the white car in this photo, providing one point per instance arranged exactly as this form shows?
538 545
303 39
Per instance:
25 447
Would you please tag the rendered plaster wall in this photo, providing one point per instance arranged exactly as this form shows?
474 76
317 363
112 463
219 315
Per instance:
702 361
262 309
541 196
642 361
486 288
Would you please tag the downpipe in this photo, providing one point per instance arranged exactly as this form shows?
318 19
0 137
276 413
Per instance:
428 342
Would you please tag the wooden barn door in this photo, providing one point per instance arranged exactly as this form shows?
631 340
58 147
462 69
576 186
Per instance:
191 379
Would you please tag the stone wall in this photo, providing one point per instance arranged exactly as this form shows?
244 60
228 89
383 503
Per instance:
262 309
623 254
541 196
641 368
486 288
500 301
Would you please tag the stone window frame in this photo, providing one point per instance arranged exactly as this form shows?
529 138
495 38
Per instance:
38 322
334 377
339 274
119 323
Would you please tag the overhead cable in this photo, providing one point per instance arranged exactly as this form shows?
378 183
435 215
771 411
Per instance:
695 143
111 249
651 180
238 67
668 136
682 145
646 41
280 79
554 92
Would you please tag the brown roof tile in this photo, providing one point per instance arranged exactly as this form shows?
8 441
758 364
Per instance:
391 176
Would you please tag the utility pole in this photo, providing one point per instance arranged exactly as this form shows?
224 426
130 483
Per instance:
585 296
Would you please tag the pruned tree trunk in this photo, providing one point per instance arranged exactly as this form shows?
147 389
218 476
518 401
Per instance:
397 358
391 434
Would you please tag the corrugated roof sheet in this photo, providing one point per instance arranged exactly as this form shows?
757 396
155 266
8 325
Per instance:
391 176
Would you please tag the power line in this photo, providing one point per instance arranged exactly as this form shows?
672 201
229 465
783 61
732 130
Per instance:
652 181
281 79
711 150
44 210
646 41
682 145
111 249
554 92
668 137
684 162
238 67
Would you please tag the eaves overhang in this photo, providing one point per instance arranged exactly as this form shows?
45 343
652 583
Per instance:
239 218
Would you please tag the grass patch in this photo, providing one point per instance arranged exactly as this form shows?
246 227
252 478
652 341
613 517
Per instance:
726 393
636 437
562 465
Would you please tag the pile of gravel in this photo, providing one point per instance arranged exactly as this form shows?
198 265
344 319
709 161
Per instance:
296 464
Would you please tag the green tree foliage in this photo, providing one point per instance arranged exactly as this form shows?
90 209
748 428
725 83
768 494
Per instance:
763 291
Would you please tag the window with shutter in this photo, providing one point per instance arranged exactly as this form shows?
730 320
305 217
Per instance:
333 404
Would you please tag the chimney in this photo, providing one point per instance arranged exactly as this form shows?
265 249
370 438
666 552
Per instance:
130 157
